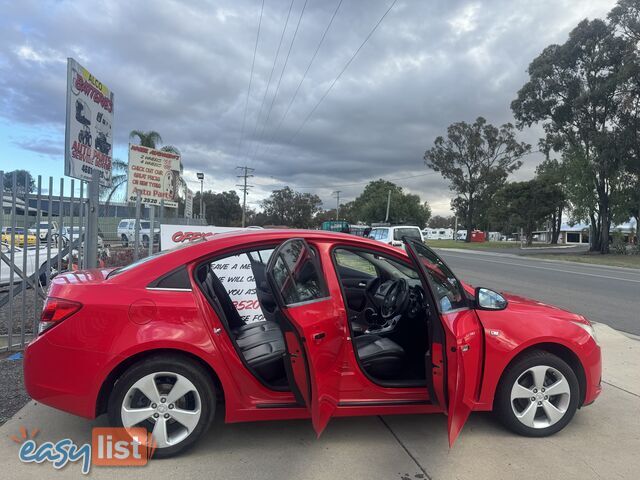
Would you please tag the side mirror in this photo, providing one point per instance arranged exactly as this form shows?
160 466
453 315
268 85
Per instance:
489 300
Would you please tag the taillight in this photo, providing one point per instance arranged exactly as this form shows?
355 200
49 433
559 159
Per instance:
56 310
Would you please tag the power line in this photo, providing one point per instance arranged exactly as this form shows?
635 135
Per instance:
253 62
304 122
304 76
264 97
245 189
286 61
344 184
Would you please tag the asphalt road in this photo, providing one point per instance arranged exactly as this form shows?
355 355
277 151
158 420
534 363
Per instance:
608 295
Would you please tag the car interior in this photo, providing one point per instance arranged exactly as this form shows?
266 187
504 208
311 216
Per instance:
386 309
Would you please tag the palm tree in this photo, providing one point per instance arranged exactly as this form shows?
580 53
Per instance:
120 168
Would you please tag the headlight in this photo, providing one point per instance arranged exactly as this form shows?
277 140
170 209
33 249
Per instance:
587 327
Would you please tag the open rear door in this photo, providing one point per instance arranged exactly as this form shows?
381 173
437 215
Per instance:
312 325
456 339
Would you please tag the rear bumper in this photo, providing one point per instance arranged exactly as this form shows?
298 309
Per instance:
61 377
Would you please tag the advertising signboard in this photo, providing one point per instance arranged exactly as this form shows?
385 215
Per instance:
155 174
88 136
234 272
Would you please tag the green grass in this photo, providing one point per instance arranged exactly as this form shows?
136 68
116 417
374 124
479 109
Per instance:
629 261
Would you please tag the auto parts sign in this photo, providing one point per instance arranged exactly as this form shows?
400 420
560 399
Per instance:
88 134
155 174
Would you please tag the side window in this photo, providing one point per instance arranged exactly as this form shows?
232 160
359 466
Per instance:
241 276
348 259
296 273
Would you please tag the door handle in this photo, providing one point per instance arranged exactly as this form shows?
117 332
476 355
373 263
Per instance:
319 336
362 284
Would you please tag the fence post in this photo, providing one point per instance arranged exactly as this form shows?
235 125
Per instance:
91 237
136 228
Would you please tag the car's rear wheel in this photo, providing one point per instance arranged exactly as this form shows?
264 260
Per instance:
538 395
173 398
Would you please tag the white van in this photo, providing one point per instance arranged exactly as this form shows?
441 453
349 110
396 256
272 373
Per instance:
393 235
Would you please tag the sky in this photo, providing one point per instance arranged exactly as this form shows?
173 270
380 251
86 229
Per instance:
184 70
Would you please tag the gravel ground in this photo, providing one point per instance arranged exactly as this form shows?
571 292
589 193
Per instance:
13 396
18 320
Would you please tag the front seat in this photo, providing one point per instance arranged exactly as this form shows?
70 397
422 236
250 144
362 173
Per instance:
380 357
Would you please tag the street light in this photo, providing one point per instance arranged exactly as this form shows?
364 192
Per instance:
201 178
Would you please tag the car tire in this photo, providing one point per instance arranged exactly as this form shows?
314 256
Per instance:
145 241
553 395
200 401
125 240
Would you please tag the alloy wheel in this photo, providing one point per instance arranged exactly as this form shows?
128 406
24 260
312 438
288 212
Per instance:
540 396
166 403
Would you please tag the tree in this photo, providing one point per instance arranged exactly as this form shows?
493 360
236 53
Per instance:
291 208
625 20
476 159
221 209
525 205
21 181
438 221
573 89
119 174
371 205
553 172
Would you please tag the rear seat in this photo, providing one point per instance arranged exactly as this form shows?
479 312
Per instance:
260 343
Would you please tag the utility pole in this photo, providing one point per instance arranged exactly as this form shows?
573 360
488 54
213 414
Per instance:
246 173
386 218
201 178
337 194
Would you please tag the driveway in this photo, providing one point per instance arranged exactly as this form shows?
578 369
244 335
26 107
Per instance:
603 441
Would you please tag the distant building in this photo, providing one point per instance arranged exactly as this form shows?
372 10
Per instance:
579 233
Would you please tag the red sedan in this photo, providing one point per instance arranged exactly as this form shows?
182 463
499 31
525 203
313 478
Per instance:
270 325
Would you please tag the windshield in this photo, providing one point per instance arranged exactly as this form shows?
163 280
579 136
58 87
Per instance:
137 263
398 233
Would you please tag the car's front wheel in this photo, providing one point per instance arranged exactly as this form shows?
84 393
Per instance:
173 398
125 240
538 395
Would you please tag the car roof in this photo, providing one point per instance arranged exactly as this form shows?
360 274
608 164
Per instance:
173 259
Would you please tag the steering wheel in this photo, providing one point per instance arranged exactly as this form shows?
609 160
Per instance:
395 299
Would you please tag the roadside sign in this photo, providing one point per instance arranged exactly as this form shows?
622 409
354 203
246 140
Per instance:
88 135
155 174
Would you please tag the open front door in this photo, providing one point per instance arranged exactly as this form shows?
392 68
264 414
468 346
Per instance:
312 326
456 339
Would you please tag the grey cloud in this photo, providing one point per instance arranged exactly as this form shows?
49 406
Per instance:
183 70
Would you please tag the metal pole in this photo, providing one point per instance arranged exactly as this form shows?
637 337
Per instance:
71 222
61 223
386 218
91 236
201 187
12 256
152 214
81 230
50 229
36 298
136 228
25 249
